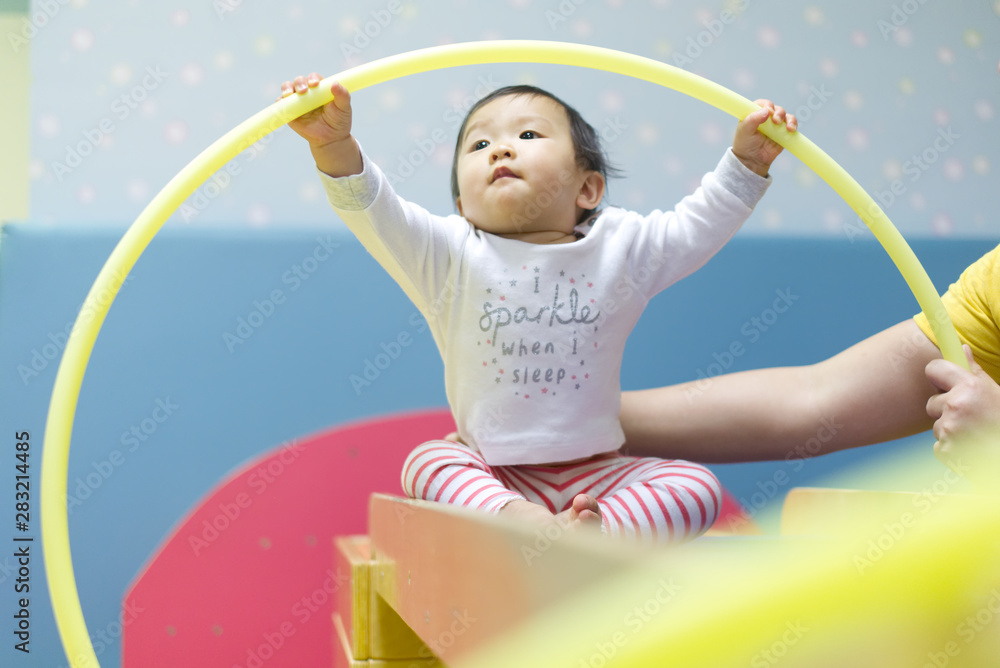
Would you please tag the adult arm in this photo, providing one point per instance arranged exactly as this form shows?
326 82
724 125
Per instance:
874 391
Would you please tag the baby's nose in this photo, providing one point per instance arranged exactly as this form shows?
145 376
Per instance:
501 151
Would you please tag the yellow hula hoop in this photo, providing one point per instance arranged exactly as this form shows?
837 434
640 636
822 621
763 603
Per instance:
62 408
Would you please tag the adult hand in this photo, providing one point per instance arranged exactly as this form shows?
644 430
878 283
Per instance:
966 414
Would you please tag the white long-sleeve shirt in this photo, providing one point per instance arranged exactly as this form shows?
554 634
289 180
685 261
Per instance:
532 335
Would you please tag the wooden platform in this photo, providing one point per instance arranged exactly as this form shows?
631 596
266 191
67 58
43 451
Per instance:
479 591
459 578
368 631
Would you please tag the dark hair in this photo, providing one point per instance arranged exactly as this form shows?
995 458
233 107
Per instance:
586 143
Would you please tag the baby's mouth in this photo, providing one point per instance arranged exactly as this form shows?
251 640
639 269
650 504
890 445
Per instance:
502 173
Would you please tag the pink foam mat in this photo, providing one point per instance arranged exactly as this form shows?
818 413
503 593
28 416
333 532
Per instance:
247 578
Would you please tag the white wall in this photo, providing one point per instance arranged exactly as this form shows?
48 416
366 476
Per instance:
903 93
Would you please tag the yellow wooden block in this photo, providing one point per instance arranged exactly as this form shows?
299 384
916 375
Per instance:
815 511
391 637
342 654
352 554
372 628
833 512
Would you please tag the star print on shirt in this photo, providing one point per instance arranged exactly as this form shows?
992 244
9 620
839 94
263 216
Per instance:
513 284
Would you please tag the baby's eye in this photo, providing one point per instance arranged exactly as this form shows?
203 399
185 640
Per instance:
479 145
529 134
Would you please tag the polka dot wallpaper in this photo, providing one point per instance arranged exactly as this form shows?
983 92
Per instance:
902 93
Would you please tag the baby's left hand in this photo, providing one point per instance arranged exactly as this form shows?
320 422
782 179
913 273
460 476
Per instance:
755 150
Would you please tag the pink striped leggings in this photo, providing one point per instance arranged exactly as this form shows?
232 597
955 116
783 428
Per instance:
639 497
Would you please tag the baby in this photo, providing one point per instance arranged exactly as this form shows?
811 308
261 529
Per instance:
530 293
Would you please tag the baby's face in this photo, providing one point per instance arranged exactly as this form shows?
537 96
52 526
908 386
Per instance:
517 169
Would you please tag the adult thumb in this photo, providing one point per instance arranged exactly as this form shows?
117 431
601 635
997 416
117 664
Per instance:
973 365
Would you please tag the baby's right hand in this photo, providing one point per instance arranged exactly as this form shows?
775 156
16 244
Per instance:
323 125
327 129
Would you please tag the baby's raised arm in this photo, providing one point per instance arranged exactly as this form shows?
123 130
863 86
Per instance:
327 128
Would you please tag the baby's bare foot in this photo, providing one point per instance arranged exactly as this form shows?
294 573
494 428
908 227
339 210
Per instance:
583 514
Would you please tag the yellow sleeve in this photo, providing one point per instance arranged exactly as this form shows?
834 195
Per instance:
973 303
